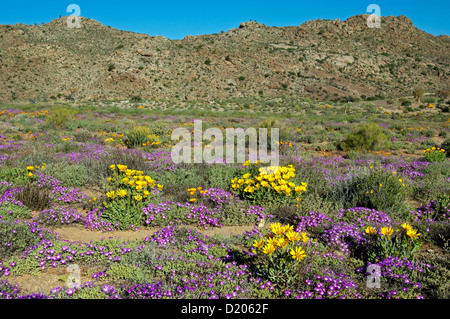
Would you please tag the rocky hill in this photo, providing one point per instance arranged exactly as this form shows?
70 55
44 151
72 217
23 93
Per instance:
321 59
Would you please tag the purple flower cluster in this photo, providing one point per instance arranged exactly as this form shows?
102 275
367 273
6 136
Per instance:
191 212
93 221
433 211
164 236
345 231
9 197
362 216
402 274
59 192
87 152
321 287
312 220
343 236
58 215
412 170
219 196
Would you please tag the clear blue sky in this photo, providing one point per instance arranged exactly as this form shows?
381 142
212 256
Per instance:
175 19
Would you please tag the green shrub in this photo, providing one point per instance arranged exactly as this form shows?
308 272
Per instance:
365 137
141 136
60 116
446 146
16 176
378 189
70 175
15 236
435 154
12 211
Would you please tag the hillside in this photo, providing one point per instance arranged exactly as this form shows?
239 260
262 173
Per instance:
320 59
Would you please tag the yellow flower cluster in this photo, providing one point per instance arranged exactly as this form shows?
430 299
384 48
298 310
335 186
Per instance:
192 191
130 183
388 231
280 237
433 149
152 139
30 169
273 177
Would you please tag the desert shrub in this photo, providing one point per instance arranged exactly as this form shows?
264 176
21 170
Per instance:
219 175
365 137
446 146
15 176
70 175
280 254
127 192
17 235
271 185
13 211
435 154
137 136
82 136
34 197
60 116
436 282
387 241
379 189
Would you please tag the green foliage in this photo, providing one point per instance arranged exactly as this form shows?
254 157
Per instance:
365 137
71 175
15 175
398 244
15 236
446 146
435 154
60 116
12 211
378 189
141 136
127 192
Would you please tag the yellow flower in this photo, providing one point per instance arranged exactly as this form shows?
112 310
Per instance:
110 194
277 229
281 242
30 168
146 193
245 176
138 198
298 253
30 174
160 187
387 231
406 226
412 233
121 193
370 230
259 244
193 199
268 249
293 236
112 167
304 238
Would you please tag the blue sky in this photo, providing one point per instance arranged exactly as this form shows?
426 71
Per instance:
175 19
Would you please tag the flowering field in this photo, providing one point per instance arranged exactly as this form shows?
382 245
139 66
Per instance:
93 207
